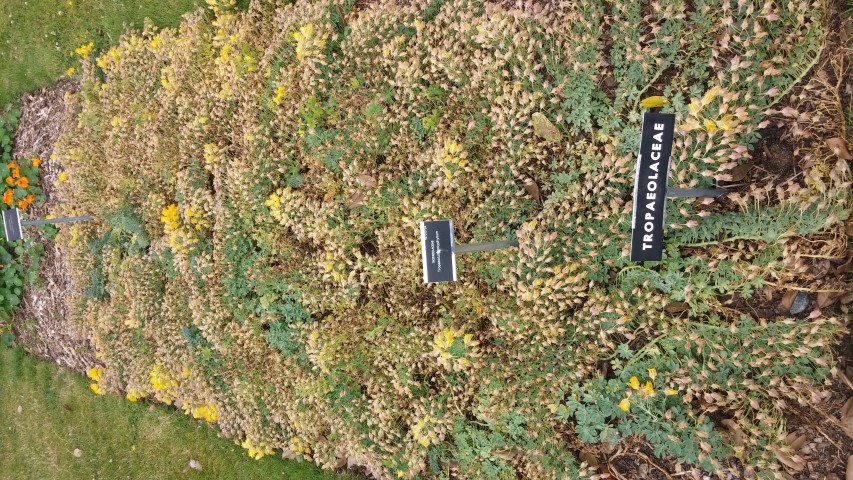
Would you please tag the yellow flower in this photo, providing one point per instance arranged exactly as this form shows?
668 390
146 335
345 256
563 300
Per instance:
208 412
634 383
84 50
95 373
693 109
279 94
257 451
70 71
625 404
710 126
161 379
307 43
710 95
647 389
63 176
135 395
670 391
96 388
170 217
727 122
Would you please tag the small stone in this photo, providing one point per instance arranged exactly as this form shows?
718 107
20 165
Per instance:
801 301
19 409
77 453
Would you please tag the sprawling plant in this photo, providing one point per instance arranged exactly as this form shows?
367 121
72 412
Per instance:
259 178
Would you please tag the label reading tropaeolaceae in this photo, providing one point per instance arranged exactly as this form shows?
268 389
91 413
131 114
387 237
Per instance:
650 186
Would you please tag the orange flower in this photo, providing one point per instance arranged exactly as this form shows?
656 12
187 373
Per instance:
10 181
23 182
36 162
8 197
26 201
16 171
11 165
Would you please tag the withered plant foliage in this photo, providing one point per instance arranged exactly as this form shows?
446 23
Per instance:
258 180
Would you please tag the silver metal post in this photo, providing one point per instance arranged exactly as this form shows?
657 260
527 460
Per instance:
56 220
694 192
484 247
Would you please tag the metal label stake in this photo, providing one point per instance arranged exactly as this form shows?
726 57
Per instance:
651 190
12 223
439 251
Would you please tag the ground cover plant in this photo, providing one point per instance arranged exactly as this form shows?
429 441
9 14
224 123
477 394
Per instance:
258 180
20 189
53 427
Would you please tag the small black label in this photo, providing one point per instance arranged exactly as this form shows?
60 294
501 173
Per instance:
439 263
650 187
12 225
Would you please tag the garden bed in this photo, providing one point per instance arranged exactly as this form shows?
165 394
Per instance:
258 179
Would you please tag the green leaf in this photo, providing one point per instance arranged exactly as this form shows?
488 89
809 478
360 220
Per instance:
12 299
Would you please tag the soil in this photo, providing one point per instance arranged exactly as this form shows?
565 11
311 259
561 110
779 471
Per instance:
42 323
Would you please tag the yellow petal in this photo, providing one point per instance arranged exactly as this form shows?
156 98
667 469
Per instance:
710 126
653 373
670 391
625 404
634 383
694 108
713 92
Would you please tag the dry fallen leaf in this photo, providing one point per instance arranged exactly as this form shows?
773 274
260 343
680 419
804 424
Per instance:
798 442
367 181
737 437
545 129
846 417
194 464
532 189
844 267
839 148
825 299
849 468
740 172
356 200
504 454
589 458
794 462
676 307
787 300
655 101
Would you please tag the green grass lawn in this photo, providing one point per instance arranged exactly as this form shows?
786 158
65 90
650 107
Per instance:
46 413
37 36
